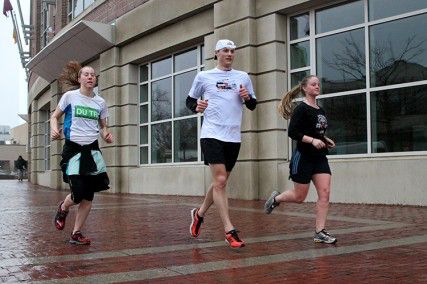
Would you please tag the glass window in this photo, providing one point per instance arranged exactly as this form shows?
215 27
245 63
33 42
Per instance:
78 7
45 131
185 140
143 155
143 135
398 51
143 93
346 123
47 22
47 144
143 73
202 54
47 161
299 26
168 130
161 68
70 10
338 17
185 60
87 3
161 99
297 77
397 72
182 87
386 8
341 61
161 143
399 120
300 54
143 110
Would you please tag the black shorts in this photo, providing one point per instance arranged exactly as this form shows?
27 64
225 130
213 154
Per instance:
303 166
219 152
82 187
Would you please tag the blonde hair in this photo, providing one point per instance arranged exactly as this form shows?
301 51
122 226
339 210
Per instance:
287 105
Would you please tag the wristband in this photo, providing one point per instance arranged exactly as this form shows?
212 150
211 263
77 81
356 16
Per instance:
312 140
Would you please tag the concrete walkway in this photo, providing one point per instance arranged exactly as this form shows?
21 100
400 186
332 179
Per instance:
145 239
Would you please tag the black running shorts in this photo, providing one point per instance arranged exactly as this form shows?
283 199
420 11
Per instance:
82 187
303 166
220 152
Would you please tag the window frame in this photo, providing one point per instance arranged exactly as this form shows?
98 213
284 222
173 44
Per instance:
312 37
45 121
47 145
46 26
199 67
71 4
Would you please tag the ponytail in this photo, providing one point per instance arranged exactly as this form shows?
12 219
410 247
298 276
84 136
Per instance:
69 78
287 105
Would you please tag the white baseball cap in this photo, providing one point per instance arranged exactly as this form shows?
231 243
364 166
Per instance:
224 43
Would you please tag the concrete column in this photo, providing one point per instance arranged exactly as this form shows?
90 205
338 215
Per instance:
235 20
271 85
119 87
55 145
33 133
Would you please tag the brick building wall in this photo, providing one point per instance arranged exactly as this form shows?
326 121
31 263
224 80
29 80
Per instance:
61 15
36 23
112 9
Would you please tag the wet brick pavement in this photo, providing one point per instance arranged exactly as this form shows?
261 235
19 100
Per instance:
145 239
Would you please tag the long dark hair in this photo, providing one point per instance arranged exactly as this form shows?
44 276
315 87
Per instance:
69 78
287 105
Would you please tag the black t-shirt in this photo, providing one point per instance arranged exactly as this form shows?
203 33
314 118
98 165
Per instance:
310 121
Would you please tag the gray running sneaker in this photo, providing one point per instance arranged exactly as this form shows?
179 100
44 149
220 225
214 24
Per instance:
324 237
270 204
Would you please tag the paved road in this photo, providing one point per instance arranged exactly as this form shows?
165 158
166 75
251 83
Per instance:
145 239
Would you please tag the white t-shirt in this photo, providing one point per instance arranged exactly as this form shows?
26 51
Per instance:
82 114
223 116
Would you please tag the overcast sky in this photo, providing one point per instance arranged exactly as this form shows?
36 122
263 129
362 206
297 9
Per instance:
13 94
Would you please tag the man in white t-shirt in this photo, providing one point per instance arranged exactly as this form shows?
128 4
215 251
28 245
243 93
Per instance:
220 94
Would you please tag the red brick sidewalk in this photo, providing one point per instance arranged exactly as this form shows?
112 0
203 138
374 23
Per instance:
140 238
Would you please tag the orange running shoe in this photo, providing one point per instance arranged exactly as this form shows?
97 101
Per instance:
78 239
196 222
233 239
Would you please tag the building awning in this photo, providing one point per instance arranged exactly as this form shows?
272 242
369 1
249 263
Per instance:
24 117
81 42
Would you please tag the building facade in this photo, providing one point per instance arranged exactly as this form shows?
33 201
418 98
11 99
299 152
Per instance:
370 55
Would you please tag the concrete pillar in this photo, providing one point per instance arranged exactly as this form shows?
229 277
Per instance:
33 133
271 85
55 145
235 20
118 85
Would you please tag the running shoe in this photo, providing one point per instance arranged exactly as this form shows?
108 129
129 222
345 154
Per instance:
324 237
271 203
233 239
60 217
78 239
196 222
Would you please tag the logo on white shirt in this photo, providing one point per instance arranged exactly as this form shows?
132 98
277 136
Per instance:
224 85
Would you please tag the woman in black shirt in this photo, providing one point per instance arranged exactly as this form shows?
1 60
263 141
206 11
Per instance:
307 126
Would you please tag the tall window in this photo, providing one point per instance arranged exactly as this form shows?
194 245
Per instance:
76 7
45 120
48 8
371 59
168 130
47 145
